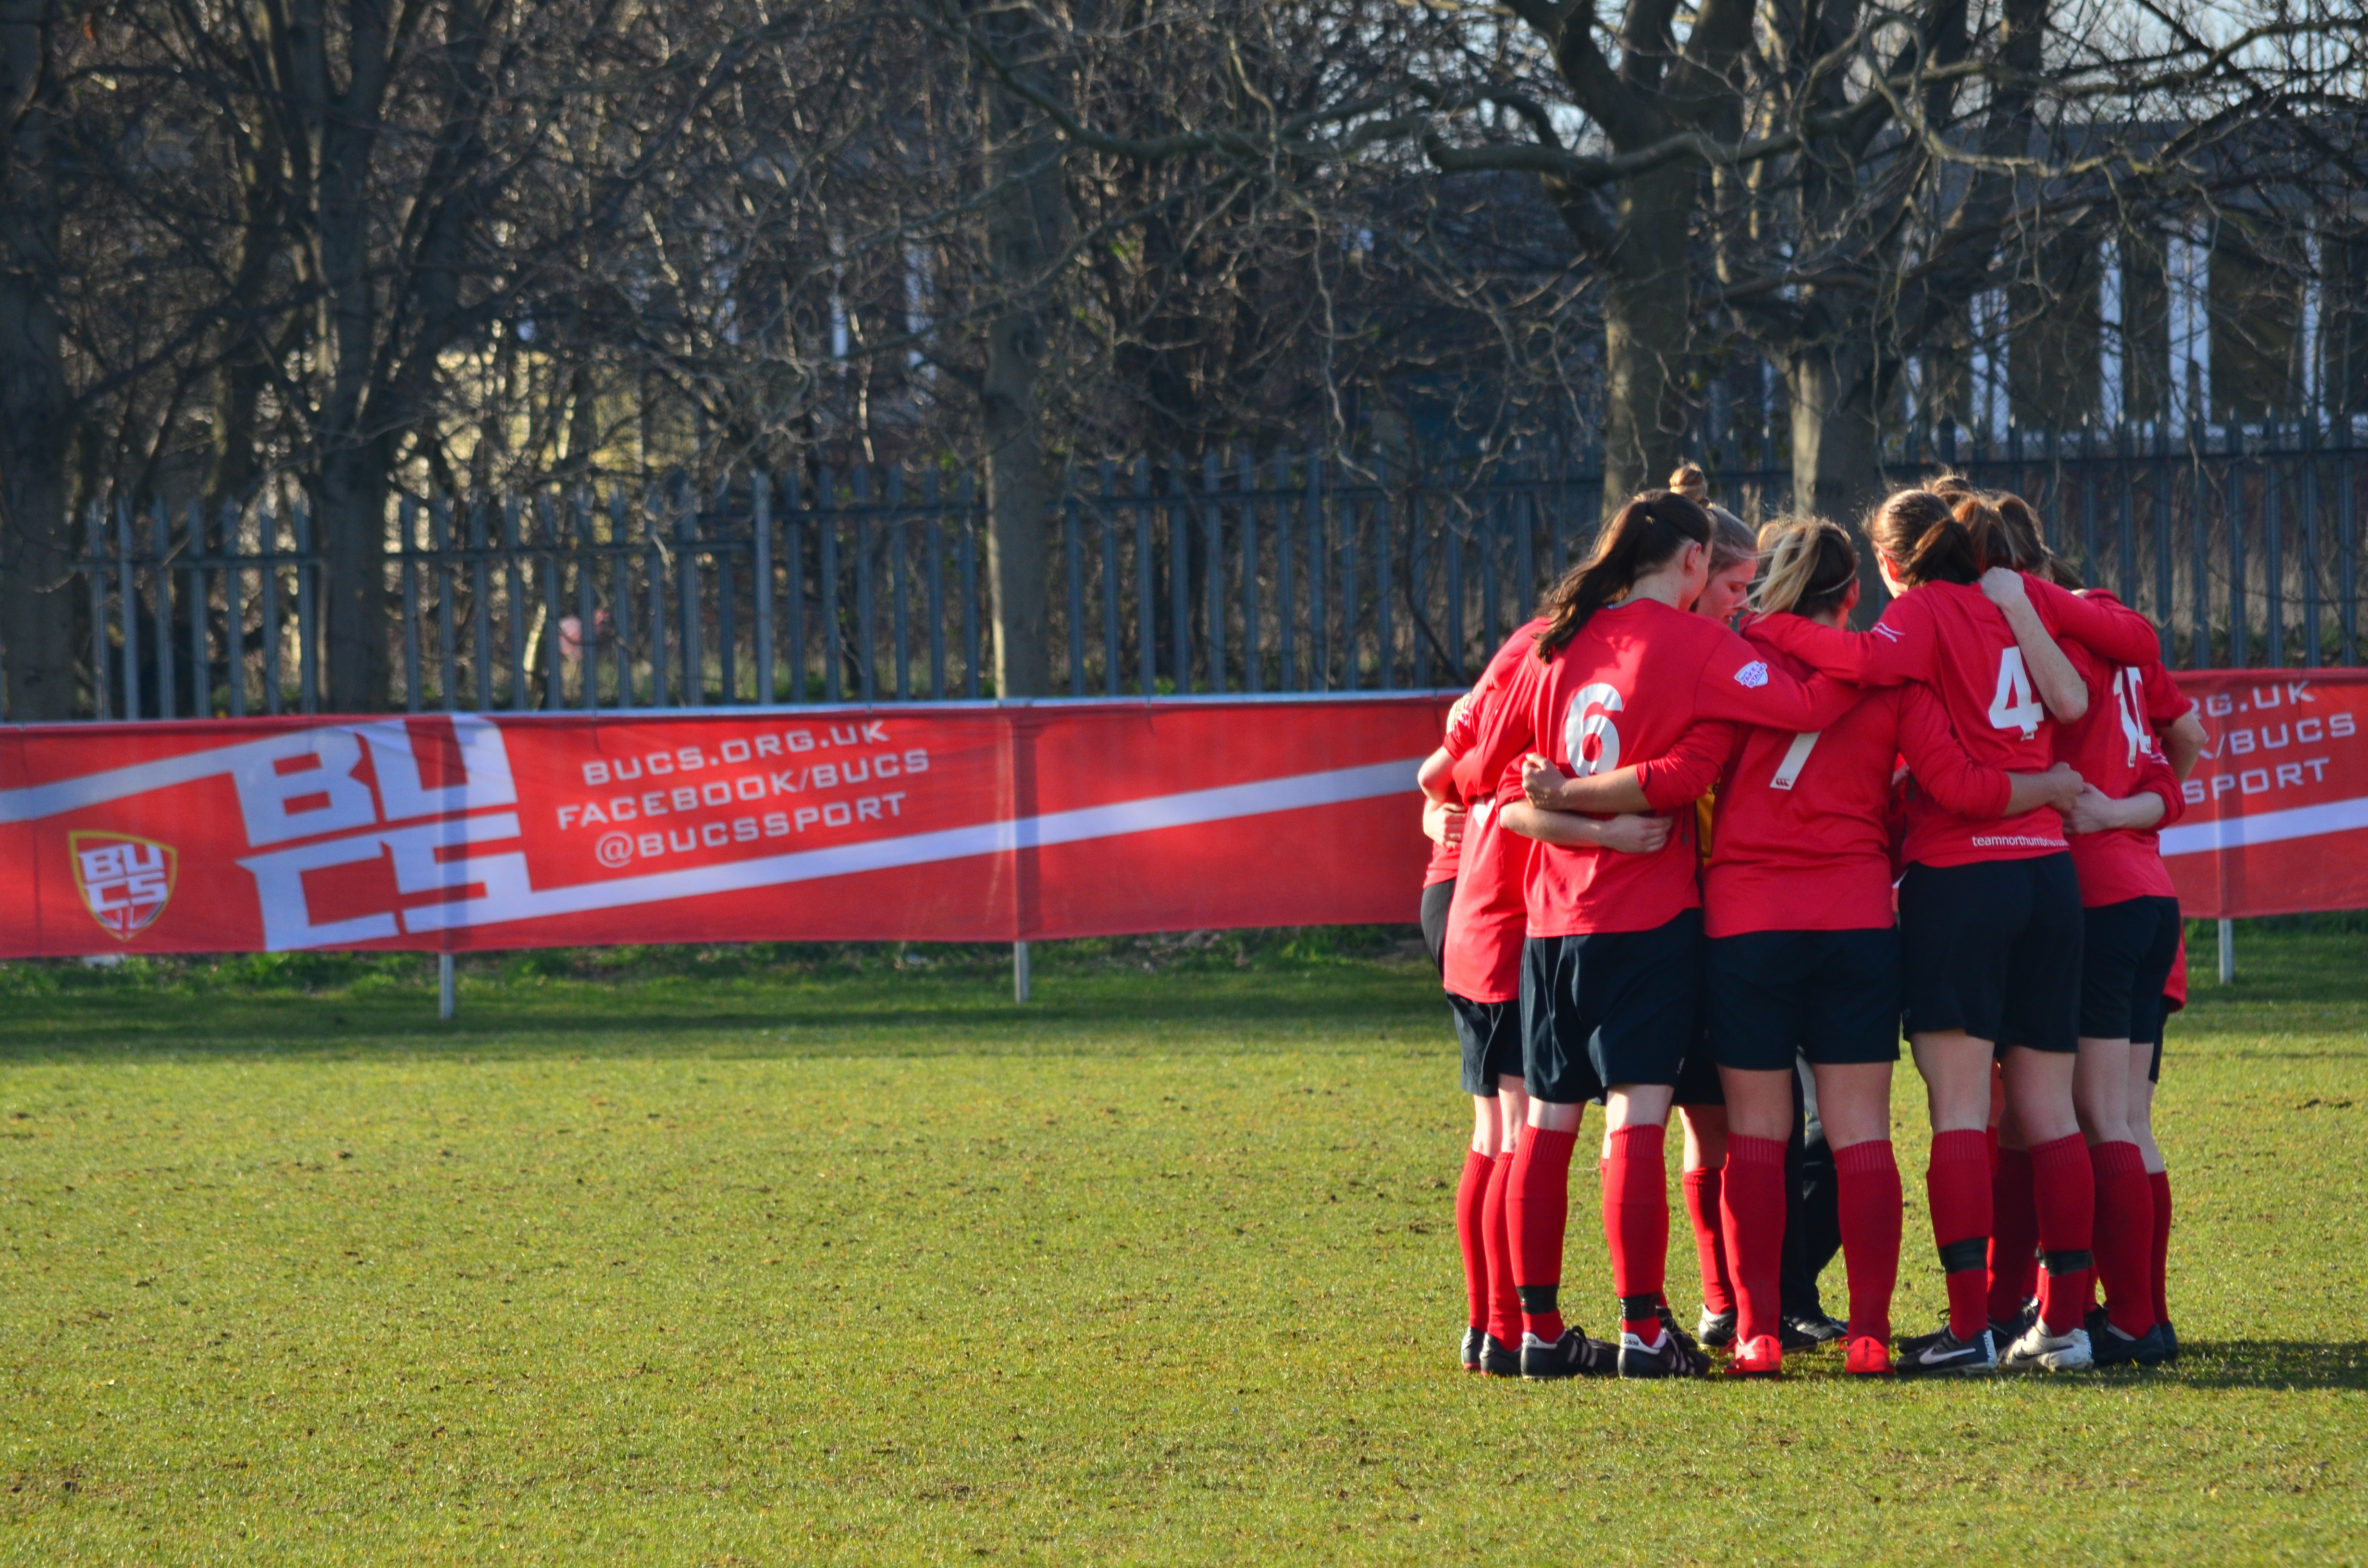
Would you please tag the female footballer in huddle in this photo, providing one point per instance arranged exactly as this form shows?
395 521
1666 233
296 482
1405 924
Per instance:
1479 954
2131 751
1701 1104
1990 906
1611 960
1970 685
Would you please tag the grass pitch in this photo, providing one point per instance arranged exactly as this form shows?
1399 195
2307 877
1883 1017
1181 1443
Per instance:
750 1264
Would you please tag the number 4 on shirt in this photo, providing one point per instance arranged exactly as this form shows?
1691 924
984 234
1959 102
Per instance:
2014 707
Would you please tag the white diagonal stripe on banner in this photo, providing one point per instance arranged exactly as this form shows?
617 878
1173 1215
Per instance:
31 802
508 899
2269 828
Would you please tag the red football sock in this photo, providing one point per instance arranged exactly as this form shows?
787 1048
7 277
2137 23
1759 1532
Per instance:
2064 1191
1636 1225
2125 1234
1957 1189
1537 1199
2014 1235
1753 1210
1469 1194
1504 1301
1703 1187
2160 1182
1867 1179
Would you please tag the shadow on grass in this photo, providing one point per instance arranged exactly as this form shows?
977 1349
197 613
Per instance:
899 1017
2266 1364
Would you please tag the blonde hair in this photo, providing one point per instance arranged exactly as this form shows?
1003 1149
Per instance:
1811 565
1687 479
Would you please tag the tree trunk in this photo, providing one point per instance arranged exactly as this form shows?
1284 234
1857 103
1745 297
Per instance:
1025 205
1838 450
352 541
36 540
1647 324
1020 497
247 363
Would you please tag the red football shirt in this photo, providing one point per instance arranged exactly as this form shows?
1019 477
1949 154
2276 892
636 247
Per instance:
1488 919
1912 640
1631 685
1805 824
1952 640
1800 839
1446 860
2114 748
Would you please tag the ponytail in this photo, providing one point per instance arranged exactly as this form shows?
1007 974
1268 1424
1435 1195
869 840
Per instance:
1648 530
2028 545
1925 542
1811 565
1972 541
2019 526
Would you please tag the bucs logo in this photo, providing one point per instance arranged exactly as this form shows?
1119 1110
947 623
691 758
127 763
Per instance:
125 881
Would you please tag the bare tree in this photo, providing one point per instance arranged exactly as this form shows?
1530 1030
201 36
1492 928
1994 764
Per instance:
35 539
1026 224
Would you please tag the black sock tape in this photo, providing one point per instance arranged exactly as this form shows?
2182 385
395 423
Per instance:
2070 1262
1640 1309
1539 1301
1974 1252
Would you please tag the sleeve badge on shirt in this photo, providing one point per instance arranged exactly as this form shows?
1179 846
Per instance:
1754 673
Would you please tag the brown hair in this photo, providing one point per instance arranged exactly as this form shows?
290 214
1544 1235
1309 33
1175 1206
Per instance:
1730 540
1951 486
1687 477
2026 545
1647 531
1811 565
1925 542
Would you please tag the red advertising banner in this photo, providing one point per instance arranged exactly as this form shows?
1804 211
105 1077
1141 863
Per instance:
952 822
2277 810
456 831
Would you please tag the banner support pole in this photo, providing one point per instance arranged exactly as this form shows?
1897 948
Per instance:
444 998
1020 971
2228 952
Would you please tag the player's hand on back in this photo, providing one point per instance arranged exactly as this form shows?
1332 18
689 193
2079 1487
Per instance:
2069 788
1633 834
1443 824
2092 811
1542 781
2003 585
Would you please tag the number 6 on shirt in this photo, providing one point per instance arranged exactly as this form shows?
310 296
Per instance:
2013 707
1591 708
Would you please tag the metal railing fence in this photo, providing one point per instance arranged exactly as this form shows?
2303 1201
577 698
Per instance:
1296 572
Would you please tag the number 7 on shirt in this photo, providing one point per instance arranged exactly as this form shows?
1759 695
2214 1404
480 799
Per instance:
1796 756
